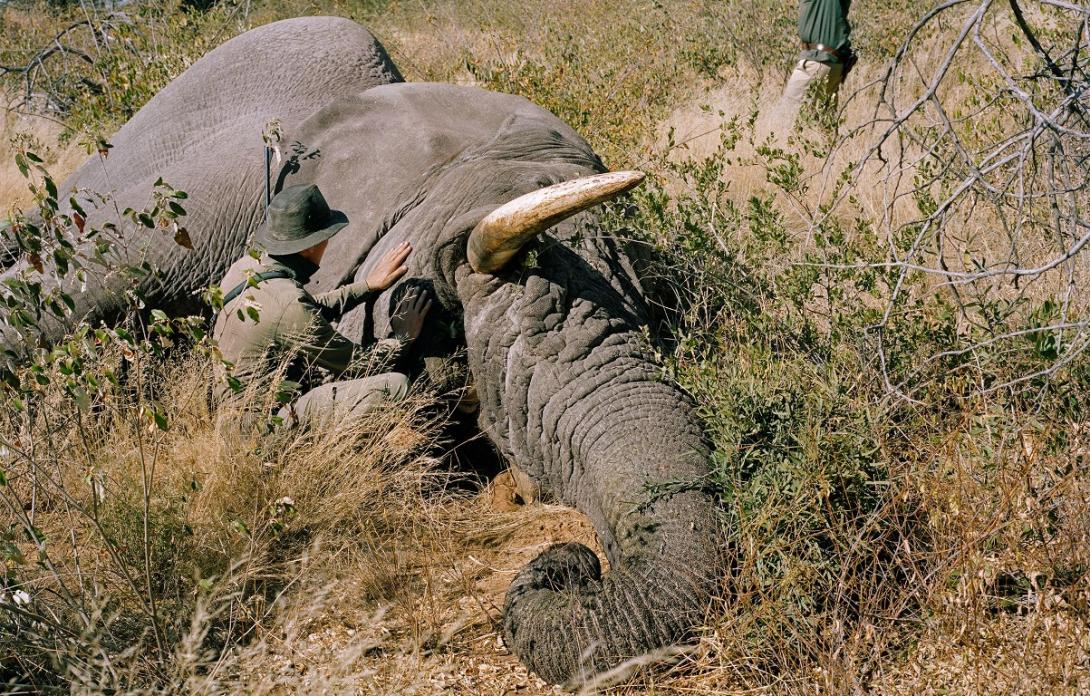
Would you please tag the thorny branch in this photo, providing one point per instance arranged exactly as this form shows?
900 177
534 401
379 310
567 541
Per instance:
992 126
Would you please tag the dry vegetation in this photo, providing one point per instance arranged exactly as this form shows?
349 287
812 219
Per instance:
42 134
908 516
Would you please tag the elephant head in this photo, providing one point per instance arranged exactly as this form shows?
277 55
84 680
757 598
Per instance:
568 392
493 193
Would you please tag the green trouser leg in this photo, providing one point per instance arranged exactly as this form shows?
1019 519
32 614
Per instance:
334 402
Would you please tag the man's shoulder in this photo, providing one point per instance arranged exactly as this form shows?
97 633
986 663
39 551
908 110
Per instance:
277 291
239 271
259 273
265 284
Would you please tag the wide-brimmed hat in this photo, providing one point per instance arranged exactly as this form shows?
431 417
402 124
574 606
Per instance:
299 218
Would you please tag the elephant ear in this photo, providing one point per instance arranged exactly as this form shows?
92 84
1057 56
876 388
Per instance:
501 234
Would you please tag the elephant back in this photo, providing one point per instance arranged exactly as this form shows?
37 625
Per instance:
202 134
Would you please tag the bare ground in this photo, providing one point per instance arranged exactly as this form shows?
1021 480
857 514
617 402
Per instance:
444 639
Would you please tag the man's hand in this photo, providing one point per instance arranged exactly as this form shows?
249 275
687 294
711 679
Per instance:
408 318
390 268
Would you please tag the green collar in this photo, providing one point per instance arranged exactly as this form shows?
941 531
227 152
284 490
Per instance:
300 269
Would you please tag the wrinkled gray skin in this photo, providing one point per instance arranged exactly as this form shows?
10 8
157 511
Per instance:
202 134
567 393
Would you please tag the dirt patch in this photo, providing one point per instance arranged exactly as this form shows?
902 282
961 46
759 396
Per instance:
440 636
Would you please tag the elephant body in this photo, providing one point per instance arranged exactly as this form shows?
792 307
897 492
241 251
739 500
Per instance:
202 134
568 393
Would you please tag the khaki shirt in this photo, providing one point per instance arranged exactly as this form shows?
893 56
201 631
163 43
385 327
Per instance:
291 324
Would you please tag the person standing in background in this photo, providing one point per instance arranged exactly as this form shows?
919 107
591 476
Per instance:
826 56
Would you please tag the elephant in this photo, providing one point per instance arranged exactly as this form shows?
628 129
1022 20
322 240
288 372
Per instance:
499 199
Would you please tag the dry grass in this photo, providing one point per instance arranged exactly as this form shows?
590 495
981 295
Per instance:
43 132
988 602
964 571
300 527
346 560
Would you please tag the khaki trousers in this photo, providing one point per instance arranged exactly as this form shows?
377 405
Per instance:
824 77
331 403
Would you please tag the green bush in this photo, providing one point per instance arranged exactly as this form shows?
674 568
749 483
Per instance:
818 464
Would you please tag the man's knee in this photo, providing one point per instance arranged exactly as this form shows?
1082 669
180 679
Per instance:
397 386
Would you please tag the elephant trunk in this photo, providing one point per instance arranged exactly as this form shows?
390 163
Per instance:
567 394
639 482
568 624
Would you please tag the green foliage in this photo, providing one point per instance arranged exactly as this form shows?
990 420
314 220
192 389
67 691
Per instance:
781 340
1045 339
68 373
61 253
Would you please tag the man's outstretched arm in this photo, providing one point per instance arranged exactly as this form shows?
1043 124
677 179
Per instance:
335 303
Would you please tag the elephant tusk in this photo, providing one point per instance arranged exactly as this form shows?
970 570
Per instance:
501 234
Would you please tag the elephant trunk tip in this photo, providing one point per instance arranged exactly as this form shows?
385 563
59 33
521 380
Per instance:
573 626
549 586
560 567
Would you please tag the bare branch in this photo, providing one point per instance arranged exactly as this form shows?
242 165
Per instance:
992 143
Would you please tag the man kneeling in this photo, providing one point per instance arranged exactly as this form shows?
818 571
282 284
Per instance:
269 318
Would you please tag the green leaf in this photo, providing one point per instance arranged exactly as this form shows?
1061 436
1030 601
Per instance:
34 534
287 391
82 398
10 550
61 259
